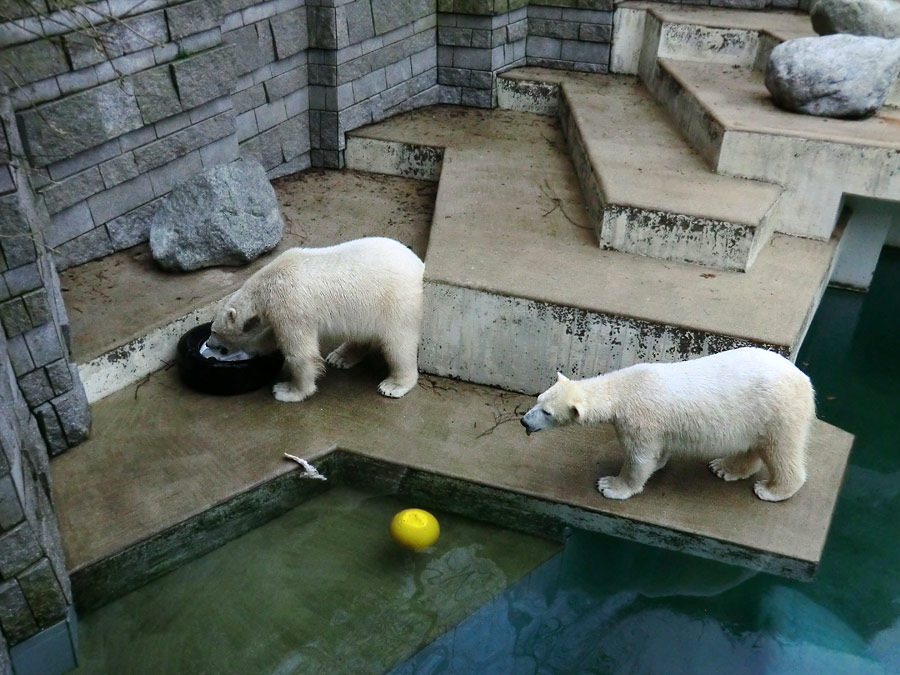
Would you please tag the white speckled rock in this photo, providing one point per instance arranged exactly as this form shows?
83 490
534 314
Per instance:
843 76
227 215
879 18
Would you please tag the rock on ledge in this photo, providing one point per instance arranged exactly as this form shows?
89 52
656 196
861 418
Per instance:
227 215
843 76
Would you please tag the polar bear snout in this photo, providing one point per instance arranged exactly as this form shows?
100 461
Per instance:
528 429
213 343
535 420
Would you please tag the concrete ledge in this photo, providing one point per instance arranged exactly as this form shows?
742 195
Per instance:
393 159
136 359
464 451
529 339
711 34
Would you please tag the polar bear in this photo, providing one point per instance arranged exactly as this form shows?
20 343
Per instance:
742 409
367 292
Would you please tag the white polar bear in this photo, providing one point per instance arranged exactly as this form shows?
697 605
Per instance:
742 409
368 292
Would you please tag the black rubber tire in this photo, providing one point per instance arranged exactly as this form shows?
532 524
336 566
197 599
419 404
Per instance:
222 378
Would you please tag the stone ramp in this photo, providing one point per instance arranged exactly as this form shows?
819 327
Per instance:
517 288
169 473
648 192
126 315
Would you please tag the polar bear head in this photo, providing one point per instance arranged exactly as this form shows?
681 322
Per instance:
237 326
561 404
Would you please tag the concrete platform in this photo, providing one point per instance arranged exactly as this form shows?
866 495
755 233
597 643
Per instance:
517 287
168 473
647 190
126 314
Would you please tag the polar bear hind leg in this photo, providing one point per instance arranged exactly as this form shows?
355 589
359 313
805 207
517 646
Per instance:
784 455
401 353
783 446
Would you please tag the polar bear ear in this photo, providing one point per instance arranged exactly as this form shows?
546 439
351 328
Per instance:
576 410
561 378
231 315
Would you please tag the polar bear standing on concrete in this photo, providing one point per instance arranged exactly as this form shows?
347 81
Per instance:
742 409
368 292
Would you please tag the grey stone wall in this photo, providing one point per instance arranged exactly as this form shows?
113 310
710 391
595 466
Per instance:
32 315
119 100
116 113
368 59
472 49
42 403
569 38
270 93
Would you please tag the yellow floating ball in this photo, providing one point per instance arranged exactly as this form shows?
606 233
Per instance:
415 529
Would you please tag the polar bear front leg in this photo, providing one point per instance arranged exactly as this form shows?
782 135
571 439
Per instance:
633 476
401 354
301 356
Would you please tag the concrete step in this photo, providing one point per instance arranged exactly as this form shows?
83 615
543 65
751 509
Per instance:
126 315
516 287
647 191
705 66
169 474
727 114
711 34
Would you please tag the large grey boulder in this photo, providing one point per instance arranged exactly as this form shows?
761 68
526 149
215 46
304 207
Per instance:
833 76
878 18
227 215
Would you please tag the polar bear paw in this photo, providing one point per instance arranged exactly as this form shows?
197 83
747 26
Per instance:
394 389
612 487
346 356
764 492
286 392
724 470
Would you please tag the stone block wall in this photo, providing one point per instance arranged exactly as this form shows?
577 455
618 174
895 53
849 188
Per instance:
571 38
270 93
369 59
115 113
32 315
42 406
472 49
119 100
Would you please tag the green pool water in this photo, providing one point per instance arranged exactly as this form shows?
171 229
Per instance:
603 605
322 589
